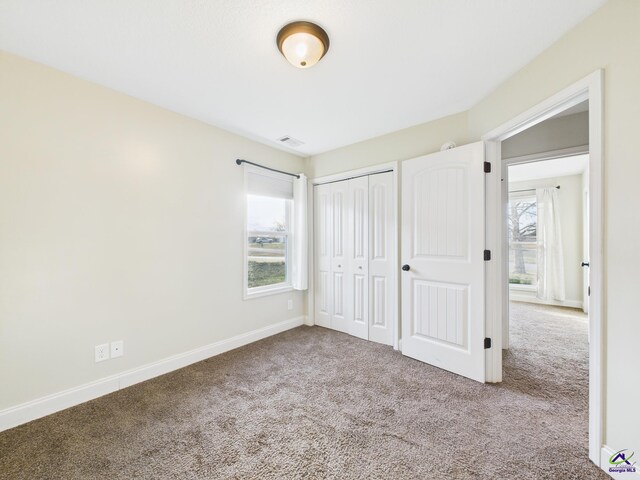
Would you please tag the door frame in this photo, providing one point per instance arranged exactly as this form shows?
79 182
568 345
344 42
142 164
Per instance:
337 177
589 88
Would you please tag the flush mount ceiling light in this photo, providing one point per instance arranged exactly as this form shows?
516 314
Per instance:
303 44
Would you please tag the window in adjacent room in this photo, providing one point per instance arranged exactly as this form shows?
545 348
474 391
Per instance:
523 251
268 235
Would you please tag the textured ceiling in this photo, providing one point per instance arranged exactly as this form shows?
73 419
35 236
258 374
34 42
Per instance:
391 65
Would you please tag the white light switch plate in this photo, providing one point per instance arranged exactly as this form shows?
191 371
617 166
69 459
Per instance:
102 352
117 349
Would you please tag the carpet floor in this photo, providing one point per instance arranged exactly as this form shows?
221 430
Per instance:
314 403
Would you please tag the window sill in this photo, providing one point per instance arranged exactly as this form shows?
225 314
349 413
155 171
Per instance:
521 287
266 291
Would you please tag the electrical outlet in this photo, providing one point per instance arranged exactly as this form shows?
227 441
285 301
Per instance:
117 349
290 304
102 352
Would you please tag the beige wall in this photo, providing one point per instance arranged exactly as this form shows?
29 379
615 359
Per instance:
570 202
407 143
118 220
609 39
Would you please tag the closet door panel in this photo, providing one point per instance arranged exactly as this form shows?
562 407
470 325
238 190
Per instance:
339 256
323 288
358 251
382 304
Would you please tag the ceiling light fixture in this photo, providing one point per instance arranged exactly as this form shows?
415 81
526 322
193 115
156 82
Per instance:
303 44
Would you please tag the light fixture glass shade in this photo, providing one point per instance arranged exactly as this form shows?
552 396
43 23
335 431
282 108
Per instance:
303 44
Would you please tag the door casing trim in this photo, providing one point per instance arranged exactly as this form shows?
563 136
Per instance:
589 88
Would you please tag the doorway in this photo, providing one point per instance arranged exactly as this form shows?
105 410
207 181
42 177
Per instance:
547 233
546 341
497 294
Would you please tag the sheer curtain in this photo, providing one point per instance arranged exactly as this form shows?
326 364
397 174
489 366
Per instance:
299 267
550 254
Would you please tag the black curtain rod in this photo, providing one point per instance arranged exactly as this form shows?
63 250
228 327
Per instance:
239 161
530 189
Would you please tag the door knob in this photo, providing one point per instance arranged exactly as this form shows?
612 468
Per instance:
339 266
584 264
406 268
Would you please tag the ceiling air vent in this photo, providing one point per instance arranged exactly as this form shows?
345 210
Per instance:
290 141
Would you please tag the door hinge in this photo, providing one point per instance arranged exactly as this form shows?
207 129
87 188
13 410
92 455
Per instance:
487 167
487 342
589 291
487 255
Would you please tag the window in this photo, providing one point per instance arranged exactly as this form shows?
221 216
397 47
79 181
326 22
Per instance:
268 247
523 247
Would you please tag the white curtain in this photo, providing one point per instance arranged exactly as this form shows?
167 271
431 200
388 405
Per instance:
550 255
300 267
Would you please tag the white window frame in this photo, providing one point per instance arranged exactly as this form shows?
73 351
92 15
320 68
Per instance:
276 288
520 286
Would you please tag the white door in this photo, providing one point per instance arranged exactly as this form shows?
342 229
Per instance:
323 287
382 274
357 271
443 260
334 283
341 290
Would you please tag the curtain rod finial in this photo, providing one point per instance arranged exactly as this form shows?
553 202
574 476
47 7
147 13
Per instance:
240 161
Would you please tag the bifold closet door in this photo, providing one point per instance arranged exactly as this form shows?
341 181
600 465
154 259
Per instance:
339 257
323 284
382 274
342 256
354 238
357 272
331 259
332 289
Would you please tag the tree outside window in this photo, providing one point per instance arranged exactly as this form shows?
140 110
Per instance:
522 224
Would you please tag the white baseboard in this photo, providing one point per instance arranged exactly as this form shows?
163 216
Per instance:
514 297
26 412
605 455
